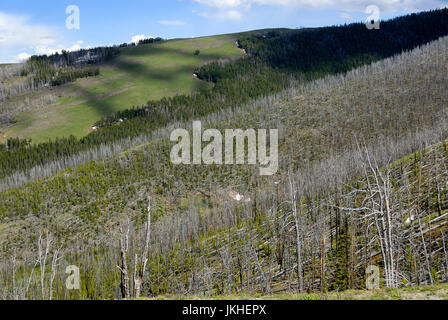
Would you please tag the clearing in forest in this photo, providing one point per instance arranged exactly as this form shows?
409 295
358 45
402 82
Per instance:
137 75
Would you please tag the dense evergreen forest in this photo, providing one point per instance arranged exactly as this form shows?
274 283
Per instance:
77 58
42 70
141 42
58 69
276 60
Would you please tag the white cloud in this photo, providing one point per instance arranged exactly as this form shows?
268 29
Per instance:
22 57
20 38
222 15
346 5
232 15
223 3
234 9
18 31
171 22
345 15
137 38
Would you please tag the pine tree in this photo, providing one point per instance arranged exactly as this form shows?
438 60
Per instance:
341 280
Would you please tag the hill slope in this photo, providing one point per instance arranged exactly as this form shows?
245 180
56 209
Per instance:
203 241
137 75
361 182
310 56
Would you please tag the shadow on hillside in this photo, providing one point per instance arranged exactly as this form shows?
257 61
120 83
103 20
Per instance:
153 51
162 72
143 71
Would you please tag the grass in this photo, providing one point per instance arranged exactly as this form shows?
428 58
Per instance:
137 75
435 292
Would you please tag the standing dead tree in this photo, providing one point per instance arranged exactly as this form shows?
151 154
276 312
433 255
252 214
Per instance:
267 285
138 282
446 256
54 265
43 253
129 291
381 207
297 223
14 269
124 248
43 250
226 257
425 251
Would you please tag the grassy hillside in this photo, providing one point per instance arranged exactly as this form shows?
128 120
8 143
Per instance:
363 166
205 242
309 54
137 75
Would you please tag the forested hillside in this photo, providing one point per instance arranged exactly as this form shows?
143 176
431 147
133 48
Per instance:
31 85
44 71
311 54
361 181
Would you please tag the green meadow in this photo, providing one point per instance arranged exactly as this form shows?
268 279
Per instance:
137 75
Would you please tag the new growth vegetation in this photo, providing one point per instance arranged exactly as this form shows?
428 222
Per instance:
362 181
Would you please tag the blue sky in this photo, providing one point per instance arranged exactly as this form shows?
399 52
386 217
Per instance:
37 27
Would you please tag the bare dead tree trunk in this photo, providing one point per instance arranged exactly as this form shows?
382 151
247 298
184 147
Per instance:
142 273
27 288
298 241
54 264
425 251
379 194
14 289
323 252
124 247
43 250
446 256
267 284
439 200
226 262
136 287
131 288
